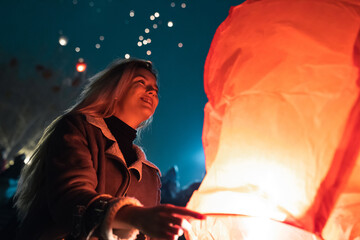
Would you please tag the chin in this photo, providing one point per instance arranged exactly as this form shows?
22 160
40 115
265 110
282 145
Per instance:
147 116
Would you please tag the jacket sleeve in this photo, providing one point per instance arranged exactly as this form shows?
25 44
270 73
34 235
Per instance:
74 204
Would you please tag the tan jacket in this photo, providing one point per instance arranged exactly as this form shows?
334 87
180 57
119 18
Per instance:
86 182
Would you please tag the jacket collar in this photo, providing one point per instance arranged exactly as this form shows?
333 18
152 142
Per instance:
114 149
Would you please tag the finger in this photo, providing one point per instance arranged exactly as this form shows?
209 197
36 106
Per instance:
169 232
186 212
173 220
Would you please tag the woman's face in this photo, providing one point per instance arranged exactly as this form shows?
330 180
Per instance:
140 100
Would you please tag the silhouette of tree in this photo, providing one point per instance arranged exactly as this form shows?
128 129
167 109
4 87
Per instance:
31 95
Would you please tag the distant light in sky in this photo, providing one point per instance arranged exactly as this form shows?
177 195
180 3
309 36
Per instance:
141 38
147 30
101 38
183 5
127 56
148 52
77 49
139 44
180 45
91 4
157 14
172 4
63 41
81 66
145 42
152 17
155 26
148 40
97 45
170 24
132 13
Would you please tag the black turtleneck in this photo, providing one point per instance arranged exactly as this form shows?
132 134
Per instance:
124 135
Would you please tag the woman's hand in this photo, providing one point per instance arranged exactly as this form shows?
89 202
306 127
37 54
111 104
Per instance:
161 222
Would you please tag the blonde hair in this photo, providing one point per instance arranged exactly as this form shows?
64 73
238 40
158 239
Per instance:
99 99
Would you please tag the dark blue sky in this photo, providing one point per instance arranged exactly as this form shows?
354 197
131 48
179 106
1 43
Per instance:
31 31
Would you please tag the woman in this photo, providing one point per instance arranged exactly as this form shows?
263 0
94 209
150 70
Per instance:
86 178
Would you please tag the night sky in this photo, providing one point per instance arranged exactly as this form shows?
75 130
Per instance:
101 31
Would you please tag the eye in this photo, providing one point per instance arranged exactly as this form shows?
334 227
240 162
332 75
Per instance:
141 81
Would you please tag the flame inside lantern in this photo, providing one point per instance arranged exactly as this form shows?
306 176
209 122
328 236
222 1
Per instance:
282 125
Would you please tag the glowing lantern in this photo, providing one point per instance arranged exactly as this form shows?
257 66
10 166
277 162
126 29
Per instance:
282 125
80 66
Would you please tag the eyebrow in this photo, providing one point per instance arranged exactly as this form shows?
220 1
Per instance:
140 75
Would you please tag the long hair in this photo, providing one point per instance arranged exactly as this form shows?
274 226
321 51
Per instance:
99 98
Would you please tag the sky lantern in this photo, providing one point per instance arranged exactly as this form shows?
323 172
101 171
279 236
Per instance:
81 65
282 125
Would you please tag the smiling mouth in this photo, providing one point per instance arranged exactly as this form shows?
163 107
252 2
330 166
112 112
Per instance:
147 100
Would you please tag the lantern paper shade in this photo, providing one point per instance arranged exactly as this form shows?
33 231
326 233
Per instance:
282 125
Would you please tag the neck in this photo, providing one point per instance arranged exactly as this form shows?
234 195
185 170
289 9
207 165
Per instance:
128 120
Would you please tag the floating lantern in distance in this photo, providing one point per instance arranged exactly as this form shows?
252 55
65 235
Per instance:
81 65
281 128
63 41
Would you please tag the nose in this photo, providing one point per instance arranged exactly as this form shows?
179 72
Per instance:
151 91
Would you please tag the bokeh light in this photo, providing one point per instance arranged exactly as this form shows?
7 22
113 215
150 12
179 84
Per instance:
152 17
139 44
180 45
148 52
183 5
127 56
101 38
147 30
155 26
97 46
63 41
157 14
148 40
141 38
170 24
145 42
81 65
132 13
77 49
172 4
